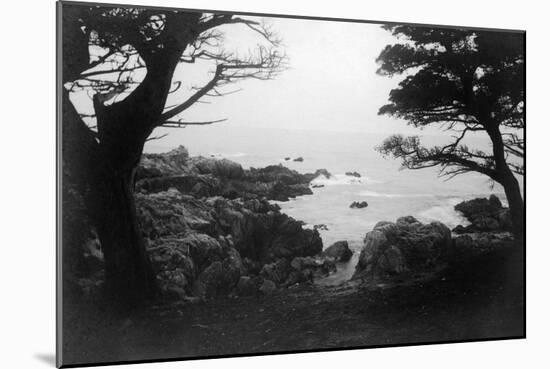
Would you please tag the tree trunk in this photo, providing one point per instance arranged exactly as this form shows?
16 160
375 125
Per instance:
511 186
128 271
515 202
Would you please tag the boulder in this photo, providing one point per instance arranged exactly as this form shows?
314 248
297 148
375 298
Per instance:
268 287
339 251
221 168
407 245
277 271
299 159
479 206
220 277
484 215
287 239
353 174
358 205
249 285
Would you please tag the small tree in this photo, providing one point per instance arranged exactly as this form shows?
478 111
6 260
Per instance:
464 81
102 150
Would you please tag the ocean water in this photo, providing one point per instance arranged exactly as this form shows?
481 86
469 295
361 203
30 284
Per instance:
389 191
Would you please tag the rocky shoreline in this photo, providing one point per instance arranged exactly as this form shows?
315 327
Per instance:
211 231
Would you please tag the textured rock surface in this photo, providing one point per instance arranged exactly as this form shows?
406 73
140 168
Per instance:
485 215
339 251
206 177
210 229
205 241
406 245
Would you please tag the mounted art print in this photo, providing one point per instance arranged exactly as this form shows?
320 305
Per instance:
239 184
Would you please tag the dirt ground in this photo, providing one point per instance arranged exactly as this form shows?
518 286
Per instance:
481 299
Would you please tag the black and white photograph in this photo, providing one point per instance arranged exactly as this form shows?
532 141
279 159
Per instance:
234 184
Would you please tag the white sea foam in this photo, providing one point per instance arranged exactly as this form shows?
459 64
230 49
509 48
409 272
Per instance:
444 213
338 179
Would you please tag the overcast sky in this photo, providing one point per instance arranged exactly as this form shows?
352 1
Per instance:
331 83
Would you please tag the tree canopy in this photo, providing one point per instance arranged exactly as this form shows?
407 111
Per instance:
463 80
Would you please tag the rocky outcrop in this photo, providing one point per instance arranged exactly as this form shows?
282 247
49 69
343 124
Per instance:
202 247
404 246
220 168
207 177
358 205
210 229
338 251
485 215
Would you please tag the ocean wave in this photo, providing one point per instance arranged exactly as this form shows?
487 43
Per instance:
338 179
228 155
393 195
445 214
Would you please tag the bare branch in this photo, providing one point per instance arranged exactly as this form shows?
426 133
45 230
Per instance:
183 124
193 99
156 137
415 156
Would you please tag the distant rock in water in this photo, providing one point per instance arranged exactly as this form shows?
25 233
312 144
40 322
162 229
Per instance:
299 159
353 174
317 186
484 215
404 246
339 251
287 158
358 205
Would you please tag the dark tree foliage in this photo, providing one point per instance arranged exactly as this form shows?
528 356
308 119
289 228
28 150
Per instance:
103 50
464 81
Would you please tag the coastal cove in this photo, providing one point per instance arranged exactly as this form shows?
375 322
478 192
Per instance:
389 191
